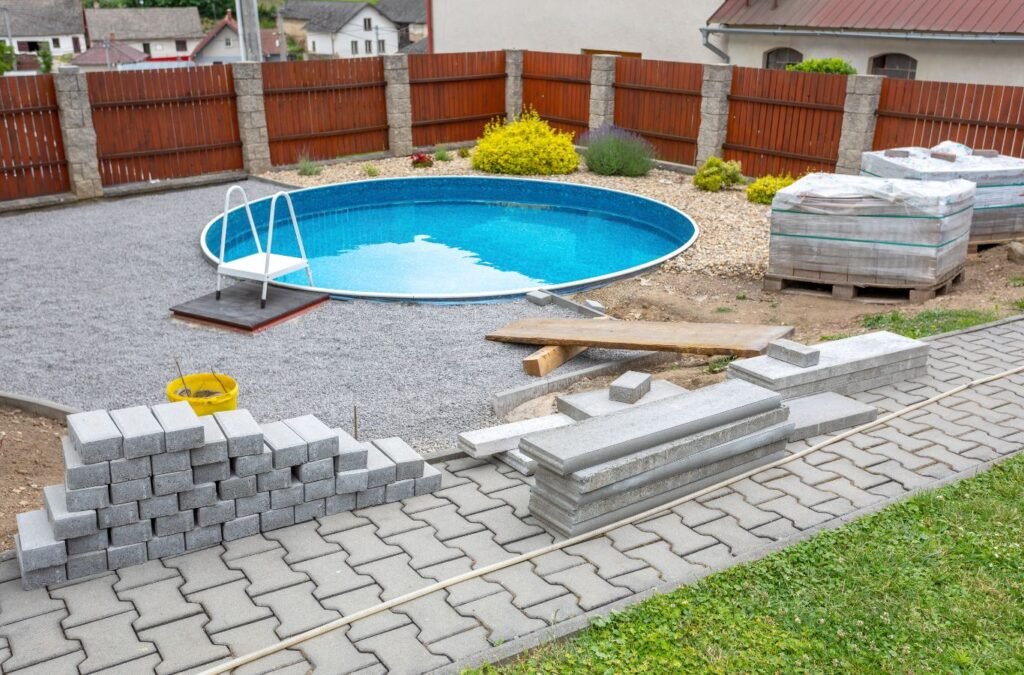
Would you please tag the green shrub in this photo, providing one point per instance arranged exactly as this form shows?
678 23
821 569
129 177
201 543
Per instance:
441 154
611 151
308 168
716 174
527 146
719 363
763 190
834 66
45 57
371 170
421 160
463 153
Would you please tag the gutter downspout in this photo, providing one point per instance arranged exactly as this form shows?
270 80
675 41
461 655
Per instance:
796 32
705 39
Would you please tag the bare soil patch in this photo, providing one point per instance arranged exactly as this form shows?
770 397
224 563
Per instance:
30 454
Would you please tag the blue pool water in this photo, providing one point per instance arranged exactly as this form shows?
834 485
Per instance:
461 238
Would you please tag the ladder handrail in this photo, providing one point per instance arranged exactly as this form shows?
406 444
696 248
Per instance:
295 227
224 220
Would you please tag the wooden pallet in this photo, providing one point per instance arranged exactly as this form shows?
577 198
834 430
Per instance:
862 291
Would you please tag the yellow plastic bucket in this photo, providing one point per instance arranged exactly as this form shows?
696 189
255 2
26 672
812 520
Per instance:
205 405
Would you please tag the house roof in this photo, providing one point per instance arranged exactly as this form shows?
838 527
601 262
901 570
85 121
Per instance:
119 53
404 11
330 17
418 47
227 22
38 18
931 16
151 23
268 41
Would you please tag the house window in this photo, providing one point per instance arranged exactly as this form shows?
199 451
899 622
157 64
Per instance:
76 44
381 46
146 48
56 43
367 24
778 59
369 46
355 47
312 46
180 45
897 66
227 42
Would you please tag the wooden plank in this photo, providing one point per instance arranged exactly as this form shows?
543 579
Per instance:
546 359
690 338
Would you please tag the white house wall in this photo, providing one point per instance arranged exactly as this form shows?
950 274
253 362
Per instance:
163 49
66 42
340 43
218 50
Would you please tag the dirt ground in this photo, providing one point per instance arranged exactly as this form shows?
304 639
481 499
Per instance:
30 452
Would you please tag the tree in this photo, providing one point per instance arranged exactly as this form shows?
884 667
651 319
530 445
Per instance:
45 57
6 58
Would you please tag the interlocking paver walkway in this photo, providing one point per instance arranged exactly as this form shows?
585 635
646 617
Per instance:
201 608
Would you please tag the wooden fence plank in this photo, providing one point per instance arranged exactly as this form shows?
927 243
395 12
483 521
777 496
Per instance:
455 95
660 100
32 161
557 86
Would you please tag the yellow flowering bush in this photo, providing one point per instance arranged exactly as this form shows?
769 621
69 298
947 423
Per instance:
762 190
527 146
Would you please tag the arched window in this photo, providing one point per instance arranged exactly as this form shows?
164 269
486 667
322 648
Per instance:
778 59
898 66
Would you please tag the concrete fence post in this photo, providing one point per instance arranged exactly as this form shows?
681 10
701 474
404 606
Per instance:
714 111
78 133
859 111
399 103
252 117
513 83
602 90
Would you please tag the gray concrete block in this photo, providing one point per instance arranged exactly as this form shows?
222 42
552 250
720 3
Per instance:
247 506
399 490
518 460
43 578
348 482
275 479
408 463
122 470
321 441
78 474
173 483
135 533
351 453
203 537
320 489
277 518
95 436
164 547
211 473
215 445
287 447
289 496
131 491
381 470
117 515
94 542
37 547
88 498
827 412
67 524
126 556
142 434
182 428
203 494
171 462
598 402
250 465
629 387
182 521
86 564
794 353
246 526
428 482
156 507
216 514
505 437
340 503
371 497
236 487
539 298
311 472
594 305
243 434
310 510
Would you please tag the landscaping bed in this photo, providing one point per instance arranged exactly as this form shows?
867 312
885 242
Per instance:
30 452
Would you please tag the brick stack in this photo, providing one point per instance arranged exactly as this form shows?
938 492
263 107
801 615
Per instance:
143 483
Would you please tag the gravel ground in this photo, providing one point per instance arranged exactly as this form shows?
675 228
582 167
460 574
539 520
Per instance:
85 322
724 218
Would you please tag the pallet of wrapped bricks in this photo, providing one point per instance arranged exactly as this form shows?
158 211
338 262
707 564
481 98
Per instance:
870 232
144 483
606 468
999 202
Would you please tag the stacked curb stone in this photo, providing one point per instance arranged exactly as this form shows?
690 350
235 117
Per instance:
144 483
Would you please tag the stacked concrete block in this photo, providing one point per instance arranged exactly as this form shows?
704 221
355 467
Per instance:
145 483
819 414
844 366
598 402
607 468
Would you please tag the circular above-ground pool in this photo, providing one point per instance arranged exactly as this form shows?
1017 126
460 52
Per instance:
461 238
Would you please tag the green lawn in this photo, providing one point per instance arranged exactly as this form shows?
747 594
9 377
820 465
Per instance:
932 584
928 322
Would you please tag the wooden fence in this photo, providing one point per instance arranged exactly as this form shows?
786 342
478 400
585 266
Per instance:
558 87
985 116
324 109
32 159
160 124
782 122
455 95
660 100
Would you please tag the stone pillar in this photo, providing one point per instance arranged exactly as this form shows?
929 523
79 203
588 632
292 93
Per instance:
858 134
78 133
513 83
399 104
252 117
714 110
602 90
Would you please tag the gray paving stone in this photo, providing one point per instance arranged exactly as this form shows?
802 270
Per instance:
981 453
517 496
857 456
287 447
389 519
847 490
254 636
339 504
408 463
277 518
681 538
44 577
130 469
183 521
246 526
332 574
131 491
144 664
469 499
155 507
135 533
216 514
839 506
776 530
503 620
804 493
252 465
322 441
713 557
859 477
142 433
423 547
669 565
480 547
243 435
526 585
169 462
554 611
435 617
895 471
18 604
302 542
36 544
465 591
695 513
236 487
748 516
608 560
247 547
86 564
754 493
64 523
159 603
937 471
211 473
297 609
907 459
90 601
363 545
202 494
371 497
140 575
638 581
351 453
801 516
95 436
381 470
275 479
447 522
394 575
310 472
182 428
627 537
547 563
203 570
588 586
321 489
400 651
952 460
349 482
247 506
333 654
399 490
184 645
340 522
203 537
362 598
215 445
489 479
809 474
172 483
505 525
88 498
289 496
729 532
78 474
109 642
267 572
429 482
163 547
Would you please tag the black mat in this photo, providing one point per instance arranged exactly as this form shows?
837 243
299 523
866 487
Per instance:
239 306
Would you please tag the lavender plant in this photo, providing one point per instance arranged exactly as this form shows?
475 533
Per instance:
611 151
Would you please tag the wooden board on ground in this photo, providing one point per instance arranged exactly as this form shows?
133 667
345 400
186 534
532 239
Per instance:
736 339
546 359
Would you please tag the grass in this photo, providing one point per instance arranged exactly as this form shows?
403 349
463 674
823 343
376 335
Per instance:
928 322
308 168
1019 305
932 584
719 363
1017 282
442 154
834 336
741 296
723 310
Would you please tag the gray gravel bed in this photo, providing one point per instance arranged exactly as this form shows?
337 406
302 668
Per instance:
84 321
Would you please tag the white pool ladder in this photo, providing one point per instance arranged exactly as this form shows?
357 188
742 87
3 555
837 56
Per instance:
261 266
